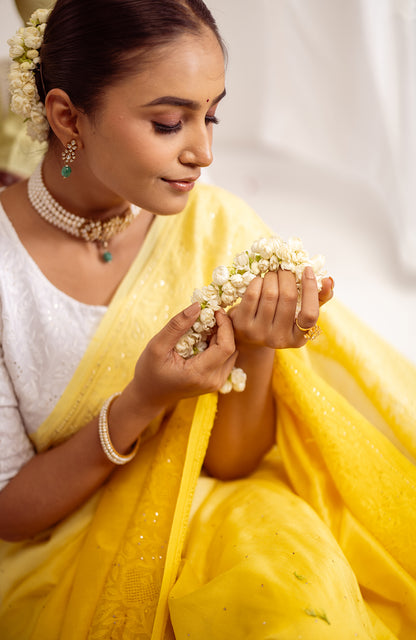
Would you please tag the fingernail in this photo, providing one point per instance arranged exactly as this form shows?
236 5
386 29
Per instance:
191 311
332 282
309 273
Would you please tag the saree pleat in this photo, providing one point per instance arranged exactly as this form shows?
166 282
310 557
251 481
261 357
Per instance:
317 543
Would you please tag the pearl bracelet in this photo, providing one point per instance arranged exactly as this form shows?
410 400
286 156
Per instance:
110 452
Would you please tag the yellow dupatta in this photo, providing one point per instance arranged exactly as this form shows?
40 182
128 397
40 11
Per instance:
347 446
347 435
344 411
91 551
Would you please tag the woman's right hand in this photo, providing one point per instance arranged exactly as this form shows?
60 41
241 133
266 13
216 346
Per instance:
163 377
56 482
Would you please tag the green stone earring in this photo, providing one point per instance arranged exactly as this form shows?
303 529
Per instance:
68 156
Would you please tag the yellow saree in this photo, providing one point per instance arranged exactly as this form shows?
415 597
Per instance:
317 543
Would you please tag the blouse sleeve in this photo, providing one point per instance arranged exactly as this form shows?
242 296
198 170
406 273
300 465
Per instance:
15 446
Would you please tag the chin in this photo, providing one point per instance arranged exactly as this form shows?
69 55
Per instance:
171 208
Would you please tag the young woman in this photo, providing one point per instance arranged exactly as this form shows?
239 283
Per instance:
105 427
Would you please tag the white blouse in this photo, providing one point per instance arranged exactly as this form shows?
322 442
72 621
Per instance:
43 335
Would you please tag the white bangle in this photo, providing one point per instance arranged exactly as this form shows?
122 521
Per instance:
110 452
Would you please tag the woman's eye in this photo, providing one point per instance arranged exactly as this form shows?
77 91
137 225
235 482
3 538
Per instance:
167 128
159 127
211 120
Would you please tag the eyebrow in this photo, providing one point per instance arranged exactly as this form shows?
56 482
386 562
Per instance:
182 102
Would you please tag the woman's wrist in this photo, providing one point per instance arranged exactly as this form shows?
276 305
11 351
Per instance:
250 356
130 415
103 429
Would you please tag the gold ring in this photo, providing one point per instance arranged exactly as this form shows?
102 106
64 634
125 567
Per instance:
311 333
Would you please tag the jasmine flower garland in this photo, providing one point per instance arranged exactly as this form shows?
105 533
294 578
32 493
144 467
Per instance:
229 284
24 51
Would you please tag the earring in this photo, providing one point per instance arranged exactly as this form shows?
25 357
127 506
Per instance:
68 156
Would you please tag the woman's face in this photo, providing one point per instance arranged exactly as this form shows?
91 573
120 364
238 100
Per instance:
153 131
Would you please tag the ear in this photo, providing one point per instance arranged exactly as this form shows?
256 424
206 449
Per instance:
62 116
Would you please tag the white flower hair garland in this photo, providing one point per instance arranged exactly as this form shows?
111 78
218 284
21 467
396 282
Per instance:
229 284
24 51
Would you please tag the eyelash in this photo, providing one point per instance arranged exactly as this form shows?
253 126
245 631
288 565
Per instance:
168 129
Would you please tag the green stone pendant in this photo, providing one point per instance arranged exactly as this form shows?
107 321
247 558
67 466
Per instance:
106 255
66 171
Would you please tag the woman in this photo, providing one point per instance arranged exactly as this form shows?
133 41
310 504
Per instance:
90 375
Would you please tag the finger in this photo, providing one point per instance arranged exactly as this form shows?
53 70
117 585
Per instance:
248 306
212 340
269 297
309 311
221 350
327 290
178 326
224 336
286 305
227 367
216 378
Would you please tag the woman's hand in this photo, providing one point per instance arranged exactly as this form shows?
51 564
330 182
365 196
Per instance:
162 377
54 483
245 425
266 314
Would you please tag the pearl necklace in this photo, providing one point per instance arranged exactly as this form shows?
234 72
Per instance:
98 231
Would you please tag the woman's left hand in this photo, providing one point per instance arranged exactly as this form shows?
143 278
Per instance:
266 314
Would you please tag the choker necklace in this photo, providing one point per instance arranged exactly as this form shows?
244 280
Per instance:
98 231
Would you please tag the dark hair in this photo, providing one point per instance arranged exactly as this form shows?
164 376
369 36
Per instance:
90 44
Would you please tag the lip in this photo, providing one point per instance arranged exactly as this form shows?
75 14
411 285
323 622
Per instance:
184 185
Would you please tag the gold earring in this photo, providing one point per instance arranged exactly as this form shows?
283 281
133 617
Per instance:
68 156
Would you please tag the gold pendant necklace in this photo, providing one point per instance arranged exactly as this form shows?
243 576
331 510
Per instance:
97 231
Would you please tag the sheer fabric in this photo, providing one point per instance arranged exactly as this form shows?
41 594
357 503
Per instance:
318 542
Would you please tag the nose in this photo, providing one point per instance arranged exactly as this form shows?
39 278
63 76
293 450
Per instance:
198 148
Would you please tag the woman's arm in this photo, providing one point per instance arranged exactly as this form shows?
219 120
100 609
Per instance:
245 426
56 482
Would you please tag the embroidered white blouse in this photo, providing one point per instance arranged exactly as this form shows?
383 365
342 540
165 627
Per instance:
43 335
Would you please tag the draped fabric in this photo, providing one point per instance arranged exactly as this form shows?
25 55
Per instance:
317 543
332 99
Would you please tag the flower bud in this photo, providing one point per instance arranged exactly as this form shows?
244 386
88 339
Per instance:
238 379
220 275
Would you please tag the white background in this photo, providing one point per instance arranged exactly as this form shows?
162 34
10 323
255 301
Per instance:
317 133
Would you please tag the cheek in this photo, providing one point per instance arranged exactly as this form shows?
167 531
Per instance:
124 145
154 154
